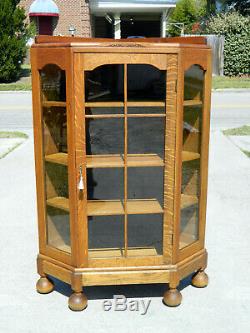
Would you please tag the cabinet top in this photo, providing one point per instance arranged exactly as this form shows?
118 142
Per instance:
61 41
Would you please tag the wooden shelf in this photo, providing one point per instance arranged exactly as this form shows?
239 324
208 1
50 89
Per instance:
105 161
104 207
58 158
189 156
144 206
104 104
111 207
129 115
121 104
59 202
111 161
144 160
48 104
192 102
188 200
145 104
120 252
133 160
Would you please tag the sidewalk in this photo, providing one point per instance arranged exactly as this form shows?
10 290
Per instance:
222 307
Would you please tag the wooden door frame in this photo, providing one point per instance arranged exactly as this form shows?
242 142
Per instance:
187 58
89 61
60 57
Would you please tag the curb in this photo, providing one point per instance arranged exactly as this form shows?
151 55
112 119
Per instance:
15 91
233 90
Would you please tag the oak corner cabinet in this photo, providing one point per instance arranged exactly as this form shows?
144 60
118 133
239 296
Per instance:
121 132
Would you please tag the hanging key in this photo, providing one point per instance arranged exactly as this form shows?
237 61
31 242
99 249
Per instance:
81 183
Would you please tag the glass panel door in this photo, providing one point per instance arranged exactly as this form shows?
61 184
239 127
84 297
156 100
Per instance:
191 153
55 150
125 116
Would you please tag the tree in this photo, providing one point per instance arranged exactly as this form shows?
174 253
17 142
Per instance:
211 7
242 6
187 12
14 34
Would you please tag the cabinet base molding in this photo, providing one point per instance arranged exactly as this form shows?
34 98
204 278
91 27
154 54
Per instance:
169 274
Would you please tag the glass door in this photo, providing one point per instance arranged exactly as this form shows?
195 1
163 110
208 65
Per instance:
125 126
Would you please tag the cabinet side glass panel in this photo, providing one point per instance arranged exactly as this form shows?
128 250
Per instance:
54 121
192 135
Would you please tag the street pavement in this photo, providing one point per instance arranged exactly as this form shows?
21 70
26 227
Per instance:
223 306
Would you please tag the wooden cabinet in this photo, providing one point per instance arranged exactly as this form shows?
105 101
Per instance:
121 133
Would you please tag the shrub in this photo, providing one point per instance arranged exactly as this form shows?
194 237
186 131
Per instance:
236 29
13 38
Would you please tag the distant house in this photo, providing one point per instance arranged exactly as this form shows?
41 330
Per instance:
100 18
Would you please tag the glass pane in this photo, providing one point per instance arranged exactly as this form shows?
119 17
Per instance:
106 236
148 110
146 136
145 235
104 136
192 125
104 83
105 186
53 84
145 194
105 183
55 151
145 83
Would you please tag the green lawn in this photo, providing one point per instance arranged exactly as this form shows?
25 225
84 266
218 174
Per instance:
11 135
243 130
223 82
24 83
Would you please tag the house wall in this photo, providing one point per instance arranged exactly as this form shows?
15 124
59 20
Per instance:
71 12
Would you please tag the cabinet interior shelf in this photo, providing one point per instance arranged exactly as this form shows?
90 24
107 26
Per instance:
111 207
104 253
192 102
129 115
122 104
116 207
48 104
117 161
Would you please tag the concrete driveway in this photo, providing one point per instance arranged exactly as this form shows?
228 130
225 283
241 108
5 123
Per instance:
224 306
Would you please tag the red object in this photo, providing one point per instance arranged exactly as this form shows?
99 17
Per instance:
45 25
44 14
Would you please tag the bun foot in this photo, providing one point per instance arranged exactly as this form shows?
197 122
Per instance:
78 302
200 280
172 297
44 285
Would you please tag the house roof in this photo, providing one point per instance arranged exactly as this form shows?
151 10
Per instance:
43 8
118 6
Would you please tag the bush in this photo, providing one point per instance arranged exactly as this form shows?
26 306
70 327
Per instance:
13 38
188 12
236 29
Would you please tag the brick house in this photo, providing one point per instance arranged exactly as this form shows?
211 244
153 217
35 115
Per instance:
100 18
